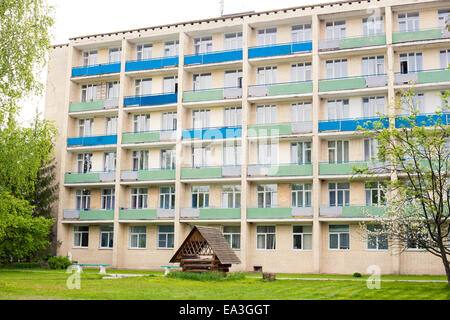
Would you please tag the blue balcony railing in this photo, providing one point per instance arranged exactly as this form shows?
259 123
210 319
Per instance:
155 63
213 57
92 140
151 99
422 119
279 49
351 124
96 69
213 133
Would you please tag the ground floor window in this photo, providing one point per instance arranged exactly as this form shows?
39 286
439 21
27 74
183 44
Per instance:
302 237
233 236
339 237
165 237
138 237
377 241
80 236
106 236
265 237
416 242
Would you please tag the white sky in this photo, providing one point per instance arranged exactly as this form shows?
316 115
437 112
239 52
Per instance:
84 17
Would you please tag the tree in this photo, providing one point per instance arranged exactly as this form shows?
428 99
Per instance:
45 191
416 153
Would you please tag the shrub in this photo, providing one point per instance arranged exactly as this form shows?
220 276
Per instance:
24 265
59 262
206 276
357 275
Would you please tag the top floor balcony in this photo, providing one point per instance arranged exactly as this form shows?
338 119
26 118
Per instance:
352 42
272 50
96 69
154 63
213 57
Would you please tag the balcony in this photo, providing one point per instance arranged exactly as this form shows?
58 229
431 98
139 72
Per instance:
353 211
207 172
155 63
280 170
279 213
352 42
146 214
213 57
150 100
353 82
148 136
279 129
92 141
96 69
277 89
212 94
210 213
419 35
346 168
422 76
353 124
88 214
148 175
94 105
90 177
213 133
422 119
279 49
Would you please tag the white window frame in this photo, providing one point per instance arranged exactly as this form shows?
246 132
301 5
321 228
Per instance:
335 30
141 122
84 162
114 55
166 196
232 41
203 45
107 199
141 196
171 48
266 37
233 193
202 193
265 234
266 75
337 68
302 236
230 234
408 22
301 32
303 150
373 106
372 65
267 191
88 92
301 112
76 230
110 237
83 199
267 152
305 193
166 235
301 71
338 233
338 151
339 188
144 51
372 26
266 114
138 235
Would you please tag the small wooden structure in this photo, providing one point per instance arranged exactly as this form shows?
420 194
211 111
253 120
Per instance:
205 249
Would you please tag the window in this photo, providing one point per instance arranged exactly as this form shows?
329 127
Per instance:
83 199
375 193
108 198
410 62
144 51
443 17
267 36
416 241
301 33
338 151
90 58
200 156
416 102
302 237
266 114
165 237
233 41
408 22
84 162
143 87
266 75
339 237
233 79
267 152
80 237
140 160
339 194
139 198
336 68
444 58
370 149
338 109
138 237
265 237
200 118
201 81
202 45
232 235
301 152
373 106
372 26
335 30
167 197
301 72
373 65
110 125
85 127
301 112
200 196
113 90
88 92
109 161
231 196
114 55
171 48
168 159
266 195
376 240
301 195
106 236
233 116
232 153
141 122
170 84
169 121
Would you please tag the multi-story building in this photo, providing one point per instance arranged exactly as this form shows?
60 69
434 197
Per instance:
247 122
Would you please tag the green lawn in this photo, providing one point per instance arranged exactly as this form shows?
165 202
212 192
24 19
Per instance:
46 284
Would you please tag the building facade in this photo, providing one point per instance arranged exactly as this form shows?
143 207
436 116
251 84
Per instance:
247 122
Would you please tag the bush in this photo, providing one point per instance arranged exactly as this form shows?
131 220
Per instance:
357 275
59 262
206 276
22 265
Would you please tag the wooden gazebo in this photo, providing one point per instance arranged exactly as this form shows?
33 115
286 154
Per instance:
205 249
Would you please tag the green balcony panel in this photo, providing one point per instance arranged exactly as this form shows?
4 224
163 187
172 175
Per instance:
195 173
140 137
82 177
269 130
362 42
137 214
291 170
86 106
342 84
433 76
340 168
361 211
163 174
290 88
417 35
205 95
220 213
97 215
269 213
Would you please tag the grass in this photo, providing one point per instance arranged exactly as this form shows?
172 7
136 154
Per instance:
51 284
207 276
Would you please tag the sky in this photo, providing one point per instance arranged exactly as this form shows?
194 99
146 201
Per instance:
83 17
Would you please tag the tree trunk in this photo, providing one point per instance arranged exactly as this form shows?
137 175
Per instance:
446 263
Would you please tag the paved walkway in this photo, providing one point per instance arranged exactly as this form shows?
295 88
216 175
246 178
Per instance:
332 279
